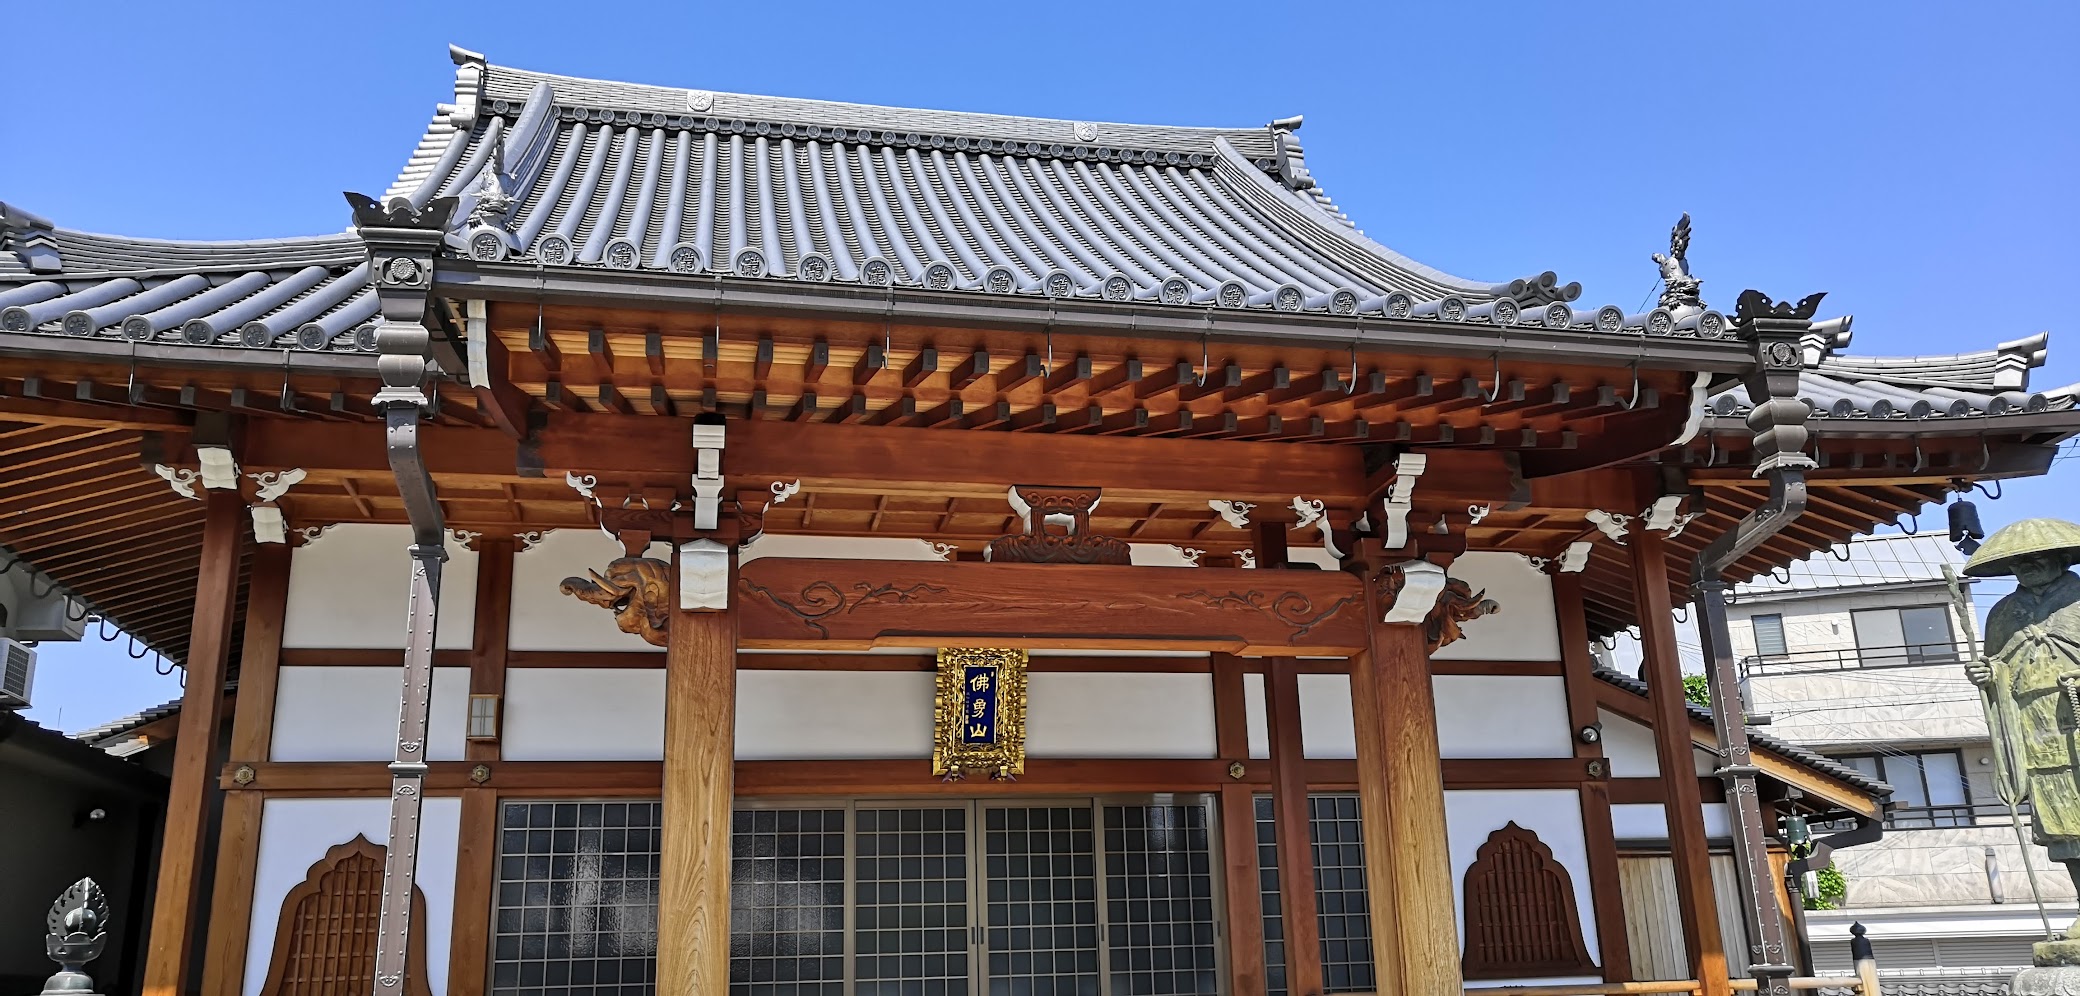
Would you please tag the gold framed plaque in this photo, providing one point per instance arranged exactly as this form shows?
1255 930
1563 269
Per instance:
979 713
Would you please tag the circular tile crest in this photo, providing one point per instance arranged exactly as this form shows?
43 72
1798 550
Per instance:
700 100
1118 288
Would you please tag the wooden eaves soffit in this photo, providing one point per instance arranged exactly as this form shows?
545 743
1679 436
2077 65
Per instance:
857 290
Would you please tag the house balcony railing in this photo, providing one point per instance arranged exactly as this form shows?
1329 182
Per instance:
1975 814
1855 659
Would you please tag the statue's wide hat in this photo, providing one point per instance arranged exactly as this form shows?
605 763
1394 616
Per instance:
2020 539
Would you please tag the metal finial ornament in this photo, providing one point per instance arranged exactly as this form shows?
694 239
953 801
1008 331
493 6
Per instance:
78 924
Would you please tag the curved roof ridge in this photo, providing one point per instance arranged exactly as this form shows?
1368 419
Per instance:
513 85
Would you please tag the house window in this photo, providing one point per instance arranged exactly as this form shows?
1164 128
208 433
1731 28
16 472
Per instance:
1928 788
1899 637
1769 635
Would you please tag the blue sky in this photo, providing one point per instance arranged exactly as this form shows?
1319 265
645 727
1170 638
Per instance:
1915 160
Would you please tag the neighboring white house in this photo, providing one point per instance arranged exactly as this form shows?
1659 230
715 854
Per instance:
1861 659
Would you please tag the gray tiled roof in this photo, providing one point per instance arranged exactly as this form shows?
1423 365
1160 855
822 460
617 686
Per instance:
1818 762
101 736
1963 385
312 293
570 172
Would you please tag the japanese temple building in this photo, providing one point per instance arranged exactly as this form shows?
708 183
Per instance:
691 542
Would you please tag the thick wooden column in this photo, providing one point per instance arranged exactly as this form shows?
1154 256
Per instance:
1295 842
1614 946
1238 832
252 735
699 768
1408 866
1674 753
177 903
477 835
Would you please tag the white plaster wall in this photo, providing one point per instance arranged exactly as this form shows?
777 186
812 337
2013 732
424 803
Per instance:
1482 715
547 619
349 713
296 833
1119 714
1649 821
1555 815
1525 629
834 714
583 714
1255 715
349 588
1325 717
1629 747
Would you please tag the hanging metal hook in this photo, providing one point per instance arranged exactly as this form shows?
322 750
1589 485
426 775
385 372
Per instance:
1609 642
1495 383
134 652
1357 334
1920 457
1784 579
1685 609
1914 518
1712 455
1994 493
45 593
1847 552
1205 358
1633 401
85 610
1047 365
102 630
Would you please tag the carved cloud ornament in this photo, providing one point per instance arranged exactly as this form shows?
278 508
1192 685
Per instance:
638 590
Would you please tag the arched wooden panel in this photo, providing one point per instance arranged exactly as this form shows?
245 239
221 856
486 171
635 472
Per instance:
325 941
1520 912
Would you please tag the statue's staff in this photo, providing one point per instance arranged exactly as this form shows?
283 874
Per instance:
2010 783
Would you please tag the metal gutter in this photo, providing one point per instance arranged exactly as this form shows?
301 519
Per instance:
1083 316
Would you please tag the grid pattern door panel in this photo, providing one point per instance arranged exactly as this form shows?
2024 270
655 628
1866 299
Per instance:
577 899
1341 901
787 902
910 911
1041 896
1159 925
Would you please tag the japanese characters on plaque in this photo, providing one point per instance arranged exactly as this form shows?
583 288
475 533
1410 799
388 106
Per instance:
980 713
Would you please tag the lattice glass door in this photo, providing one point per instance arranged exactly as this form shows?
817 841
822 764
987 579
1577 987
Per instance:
1040 895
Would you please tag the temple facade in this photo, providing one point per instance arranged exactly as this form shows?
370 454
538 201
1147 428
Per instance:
690 542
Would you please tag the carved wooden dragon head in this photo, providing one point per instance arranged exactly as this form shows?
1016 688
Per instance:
1456 604
638 590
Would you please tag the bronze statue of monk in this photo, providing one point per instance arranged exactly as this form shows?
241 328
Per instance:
2030 673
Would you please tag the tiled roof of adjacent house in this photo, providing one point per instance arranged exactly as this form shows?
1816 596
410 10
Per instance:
1783 748
1964 385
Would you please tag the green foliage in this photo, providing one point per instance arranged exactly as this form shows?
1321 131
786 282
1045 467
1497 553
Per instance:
1832 889
1698 689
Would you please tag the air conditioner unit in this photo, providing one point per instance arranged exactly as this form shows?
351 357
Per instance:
17 673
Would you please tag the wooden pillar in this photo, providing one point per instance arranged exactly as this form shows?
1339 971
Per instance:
1295 843
1614 946
699 769
477 833
1238 832
252 735
177 903
1673 751
1408 866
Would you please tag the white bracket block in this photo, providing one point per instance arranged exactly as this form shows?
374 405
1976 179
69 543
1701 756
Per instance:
703 576
1421 583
